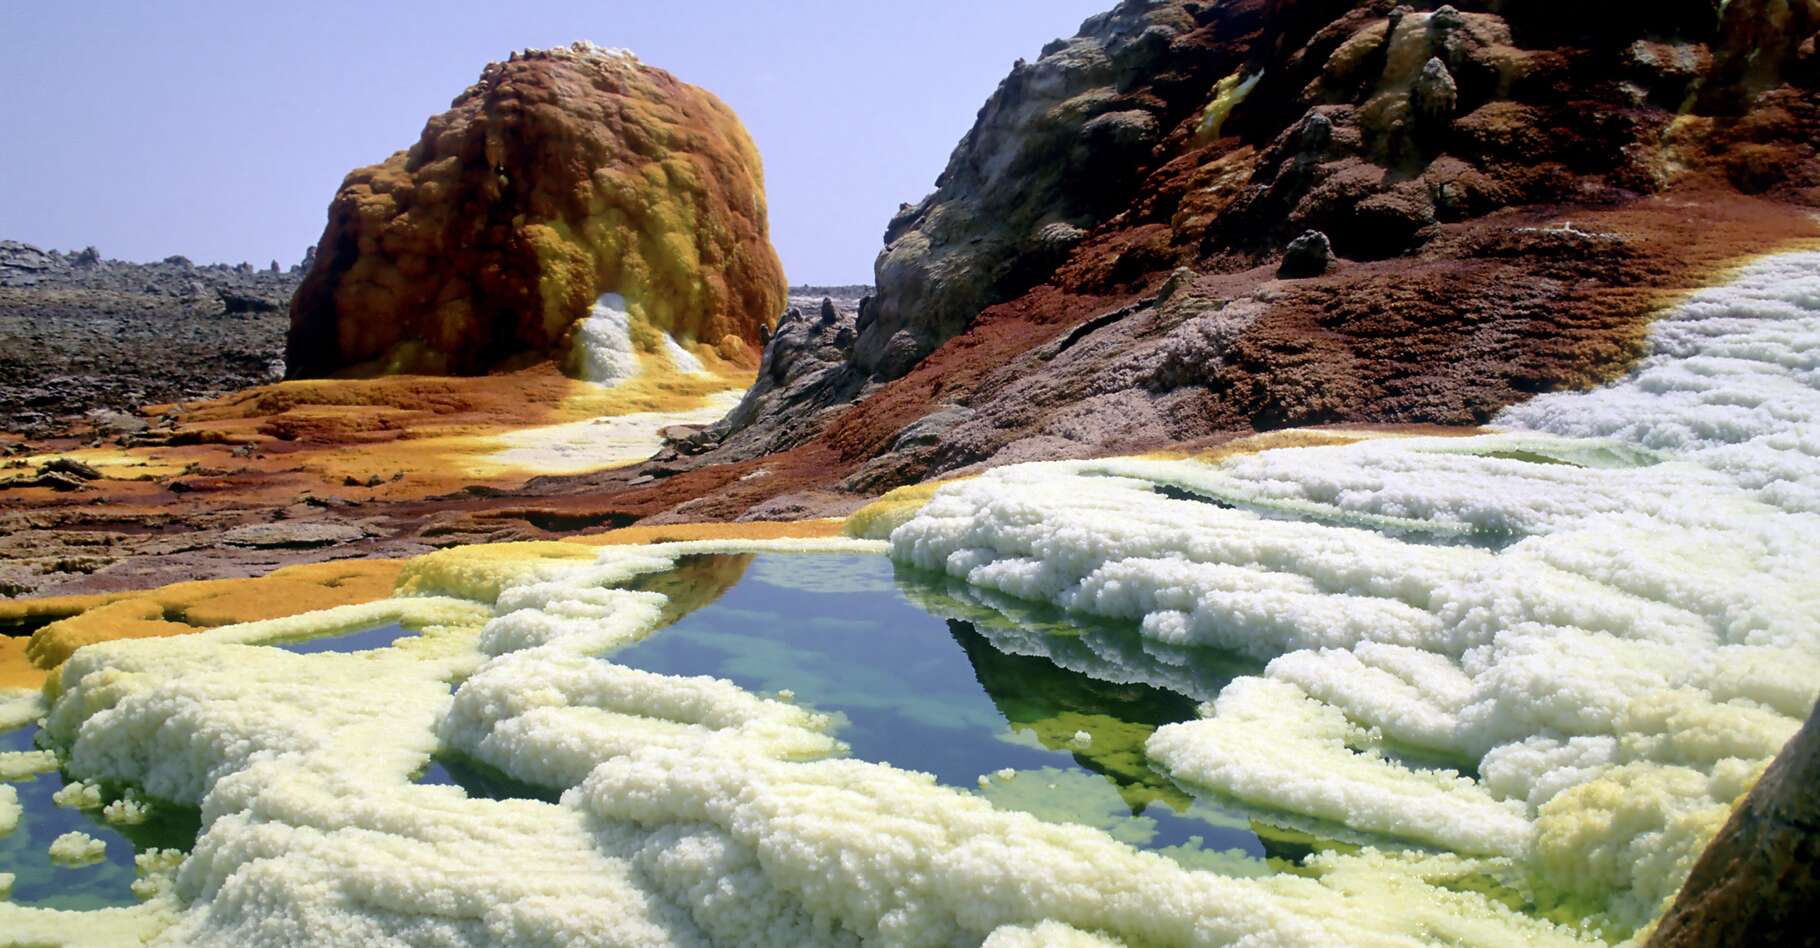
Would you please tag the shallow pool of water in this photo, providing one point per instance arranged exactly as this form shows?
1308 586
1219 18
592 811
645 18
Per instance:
25 852
845 635
357 640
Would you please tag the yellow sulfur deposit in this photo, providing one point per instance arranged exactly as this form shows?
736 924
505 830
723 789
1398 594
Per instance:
182 608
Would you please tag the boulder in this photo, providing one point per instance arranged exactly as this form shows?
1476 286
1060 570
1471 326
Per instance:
1306 256
564 183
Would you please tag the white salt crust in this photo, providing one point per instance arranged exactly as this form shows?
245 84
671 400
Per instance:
596 444
1617 644
603 339
697 813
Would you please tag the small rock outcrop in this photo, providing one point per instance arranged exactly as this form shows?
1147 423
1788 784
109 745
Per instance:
1306 256
804 370
1435 93
560 177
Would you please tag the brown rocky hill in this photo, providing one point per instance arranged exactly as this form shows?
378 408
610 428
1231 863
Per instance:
561 175
1496 198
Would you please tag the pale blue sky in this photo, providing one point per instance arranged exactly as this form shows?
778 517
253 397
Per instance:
220 130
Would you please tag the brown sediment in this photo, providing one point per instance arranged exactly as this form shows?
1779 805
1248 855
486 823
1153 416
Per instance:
748 530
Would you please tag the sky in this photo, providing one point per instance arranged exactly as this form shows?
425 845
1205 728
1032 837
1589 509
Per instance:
220 130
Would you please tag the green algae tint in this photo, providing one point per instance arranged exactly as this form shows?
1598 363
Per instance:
25 851
851 636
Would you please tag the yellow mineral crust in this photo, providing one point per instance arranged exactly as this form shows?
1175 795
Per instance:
876 520
602 175
182 608
16 668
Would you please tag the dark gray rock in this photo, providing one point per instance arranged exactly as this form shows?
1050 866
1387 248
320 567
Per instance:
1435 95
1306 256
804 371
84 344
70 467
1052 124
286 535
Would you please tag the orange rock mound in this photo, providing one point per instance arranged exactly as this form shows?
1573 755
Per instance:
560 176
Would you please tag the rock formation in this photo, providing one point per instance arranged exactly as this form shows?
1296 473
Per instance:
560 177
1510 192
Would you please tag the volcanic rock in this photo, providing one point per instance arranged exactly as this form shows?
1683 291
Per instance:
1520 192
1306 256
560 176
1756 883
1435 93
1052 125
70 467
84 346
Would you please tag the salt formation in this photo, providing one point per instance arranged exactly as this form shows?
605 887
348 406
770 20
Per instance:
603 340
77 849
1606 611
695 812
580 446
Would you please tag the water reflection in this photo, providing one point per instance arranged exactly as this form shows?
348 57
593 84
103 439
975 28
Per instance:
924 680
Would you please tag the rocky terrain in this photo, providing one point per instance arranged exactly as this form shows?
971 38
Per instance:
86 341
1486 202
221 508
559 176
1193 222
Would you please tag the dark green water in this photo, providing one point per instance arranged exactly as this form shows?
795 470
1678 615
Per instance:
844 634
25 851
483 782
